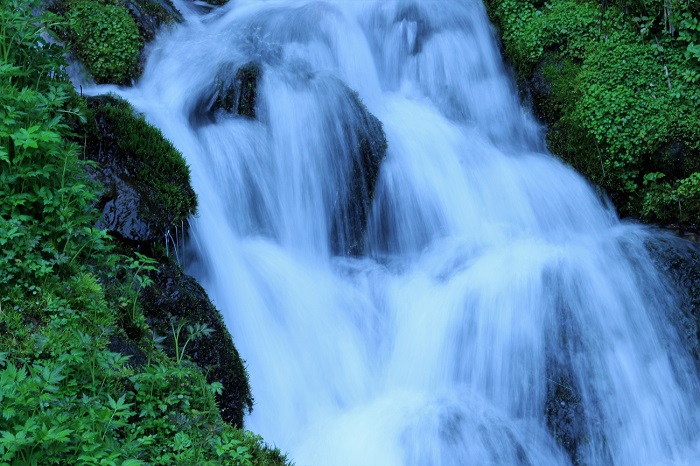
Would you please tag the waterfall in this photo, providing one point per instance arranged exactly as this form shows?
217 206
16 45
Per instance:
410 277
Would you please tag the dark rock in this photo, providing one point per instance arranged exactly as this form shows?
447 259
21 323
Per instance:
150 15
680 259
178 297
565 416
122 344
411 14
350 221
216 2
679 160
147 190
234 93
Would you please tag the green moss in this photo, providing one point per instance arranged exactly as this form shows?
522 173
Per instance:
157 169
106 39
619 94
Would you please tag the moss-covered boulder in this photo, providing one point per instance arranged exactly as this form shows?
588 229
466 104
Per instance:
147 189
618 93
105 38
177 299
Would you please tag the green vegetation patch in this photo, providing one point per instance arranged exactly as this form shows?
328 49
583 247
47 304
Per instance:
175 296
619 88
106 39
74 387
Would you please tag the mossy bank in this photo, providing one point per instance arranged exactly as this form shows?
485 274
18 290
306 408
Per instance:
104 343
618 85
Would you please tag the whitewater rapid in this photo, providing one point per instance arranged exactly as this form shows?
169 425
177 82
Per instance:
496 308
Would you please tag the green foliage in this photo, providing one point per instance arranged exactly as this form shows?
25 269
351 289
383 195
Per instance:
623 88
82 403
106 39
46 213
65 397
192 333
177 300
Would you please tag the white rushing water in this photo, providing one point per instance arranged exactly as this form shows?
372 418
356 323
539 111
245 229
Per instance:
498 310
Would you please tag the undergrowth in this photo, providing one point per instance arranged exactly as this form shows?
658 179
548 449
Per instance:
620 95
68 393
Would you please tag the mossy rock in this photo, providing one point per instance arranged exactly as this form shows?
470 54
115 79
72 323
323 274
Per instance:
108 36
178 297
147 182
553 86
617 109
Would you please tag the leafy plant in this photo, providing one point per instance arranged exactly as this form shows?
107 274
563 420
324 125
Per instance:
622 85
65 396
193 332
106 39
140 266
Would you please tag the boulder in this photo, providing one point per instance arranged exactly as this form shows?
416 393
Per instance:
178 298
680 259
564 412
150 15
147 189
234 93
350 221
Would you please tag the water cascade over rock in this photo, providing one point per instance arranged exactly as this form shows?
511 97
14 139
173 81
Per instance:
409 276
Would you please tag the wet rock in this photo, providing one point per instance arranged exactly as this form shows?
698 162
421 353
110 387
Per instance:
565 416
121 343
234 93
216 2
151 15
418 29
176 297
147 189
680 259
350 225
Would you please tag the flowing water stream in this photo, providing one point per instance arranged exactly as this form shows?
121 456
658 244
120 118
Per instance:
485 308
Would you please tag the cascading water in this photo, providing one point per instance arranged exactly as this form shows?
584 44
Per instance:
484 308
